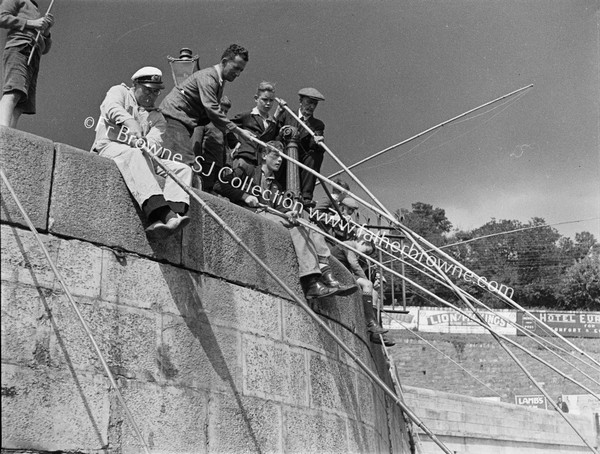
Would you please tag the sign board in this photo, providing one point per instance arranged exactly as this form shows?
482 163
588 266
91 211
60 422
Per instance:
536 400
392 320
450 321
568 324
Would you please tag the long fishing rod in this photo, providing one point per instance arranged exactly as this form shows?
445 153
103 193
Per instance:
416 136
293 295
418 286
80 317
459 243
497 337
408 232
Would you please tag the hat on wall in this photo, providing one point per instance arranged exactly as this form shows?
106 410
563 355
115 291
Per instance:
149 77
312 93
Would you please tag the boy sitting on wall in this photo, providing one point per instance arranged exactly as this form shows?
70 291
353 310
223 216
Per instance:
261 188
351 260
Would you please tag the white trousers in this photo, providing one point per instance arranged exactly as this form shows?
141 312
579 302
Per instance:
139 173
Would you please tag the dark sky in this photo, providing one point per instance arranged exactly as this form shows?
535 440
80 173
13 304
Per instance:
388 70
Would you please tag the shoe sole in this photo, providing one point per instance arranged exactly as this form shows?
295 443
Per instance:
346 291
321 296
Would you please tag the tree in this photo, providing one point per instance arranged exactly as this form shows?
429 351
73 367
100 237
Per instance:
580 286
526 260
431 223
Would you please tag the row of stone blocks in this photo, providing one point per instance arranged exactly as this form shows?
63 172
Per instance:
210 354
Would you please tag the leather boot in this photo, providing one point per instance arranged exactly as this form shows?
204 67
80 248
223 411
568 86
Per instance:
376 339
314 288
374 328
329 280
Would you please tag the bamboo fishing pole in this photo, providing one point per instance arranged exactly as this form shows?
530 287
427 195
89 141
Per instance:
416 136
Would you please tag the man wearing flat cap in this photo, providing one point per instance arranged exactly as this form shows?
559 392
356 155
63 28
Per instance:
309 151
128 122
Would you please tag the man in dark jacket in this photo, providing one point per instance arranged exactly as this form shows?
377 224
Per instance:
310 153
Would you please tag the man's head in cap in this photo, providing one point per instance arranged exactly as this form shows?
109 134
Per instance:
348 205
147 85
309 98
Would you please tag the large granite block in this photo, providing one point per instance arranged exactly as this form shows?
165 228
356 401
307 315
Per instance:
314 432
193 353
207 247
46 410
27 161
333 387
91 202
274 371
240 424
171 420
127 338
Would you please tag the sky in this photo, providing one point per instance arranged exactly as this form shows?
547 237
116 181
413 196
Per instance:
389 70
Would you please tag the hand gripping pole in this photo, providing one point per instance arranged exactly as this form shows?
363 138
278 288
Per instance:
37 37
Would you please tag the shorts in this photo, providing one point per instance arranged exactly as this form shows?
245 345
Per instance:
20 77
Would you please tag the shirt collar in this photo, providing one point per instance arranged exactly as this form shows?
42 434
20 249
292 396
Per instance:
219 73
256 112
303 116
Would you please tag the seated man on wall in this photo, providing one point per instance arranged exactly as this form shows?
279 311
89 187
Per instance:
350 260
262 188
128 122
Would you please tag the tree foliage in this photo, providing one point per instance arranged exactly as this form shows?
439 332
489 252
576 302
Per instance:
545 269
580 286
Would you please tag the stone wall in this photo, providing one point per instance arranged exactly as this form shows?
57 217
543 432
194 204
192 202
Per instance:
469 425
209 353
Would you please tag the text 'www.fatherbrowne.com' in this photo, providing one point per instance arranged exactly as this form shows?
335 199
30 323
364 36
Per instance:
350 227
